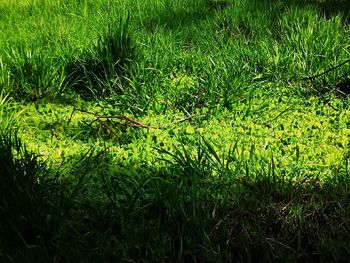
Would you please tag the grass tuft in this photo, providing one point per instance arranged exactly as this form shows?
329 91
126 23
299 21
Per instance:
32 74
94 73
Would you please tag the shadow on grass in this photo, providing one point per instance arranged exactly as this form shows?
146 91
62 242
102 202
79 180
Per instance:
334 7
93 73
178 18
173 18
328 8
177 212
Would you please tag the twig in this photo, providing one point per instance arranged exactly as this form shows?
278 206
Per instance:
328 70
278 115
312 78
128 121
327 101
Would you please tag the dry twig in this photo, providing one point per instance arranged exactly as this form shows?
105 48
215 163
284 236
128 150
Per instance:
127 120
314 77
327 71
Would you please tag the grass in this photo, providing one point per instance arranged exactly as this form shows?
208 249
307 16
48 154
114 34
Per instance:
96 73
258 169
182 213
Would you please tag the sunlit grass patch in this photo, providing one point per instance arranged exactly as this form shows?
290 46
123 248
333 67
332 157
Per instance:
312 136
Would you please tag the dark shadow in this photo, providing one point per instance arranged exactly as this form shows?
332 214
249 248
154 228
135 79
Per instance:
334 7
343 85
218 5
328 8
334 80
102 210
174 19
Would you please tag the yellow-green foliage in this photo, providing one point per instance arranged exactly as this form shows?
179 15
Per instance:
314 137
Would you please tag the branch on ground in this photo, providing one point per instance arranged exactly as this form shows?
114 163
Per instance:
127 121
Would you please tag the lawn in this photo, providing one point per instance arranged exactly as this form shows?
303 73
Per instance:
174 131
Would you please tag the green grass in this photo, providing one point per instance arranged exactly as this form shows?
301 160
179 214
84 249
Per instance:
257 169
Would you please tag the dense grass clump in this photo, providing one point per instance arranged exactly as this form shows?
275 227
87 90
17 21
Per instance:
31 74
97 72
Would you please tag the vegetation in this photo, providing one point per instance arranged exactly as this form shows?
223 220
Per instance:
181 131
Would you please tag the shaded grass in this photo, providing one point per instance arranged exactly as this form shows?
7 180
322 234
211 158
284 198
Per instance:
24 209
179 212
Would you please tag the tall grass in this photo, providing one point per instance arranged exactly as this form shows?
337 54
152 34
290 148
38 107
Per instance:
50 63
96 71
255 41
32 74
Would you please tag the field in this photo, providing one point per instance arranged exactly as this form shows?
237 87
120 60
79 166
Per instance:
174 131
